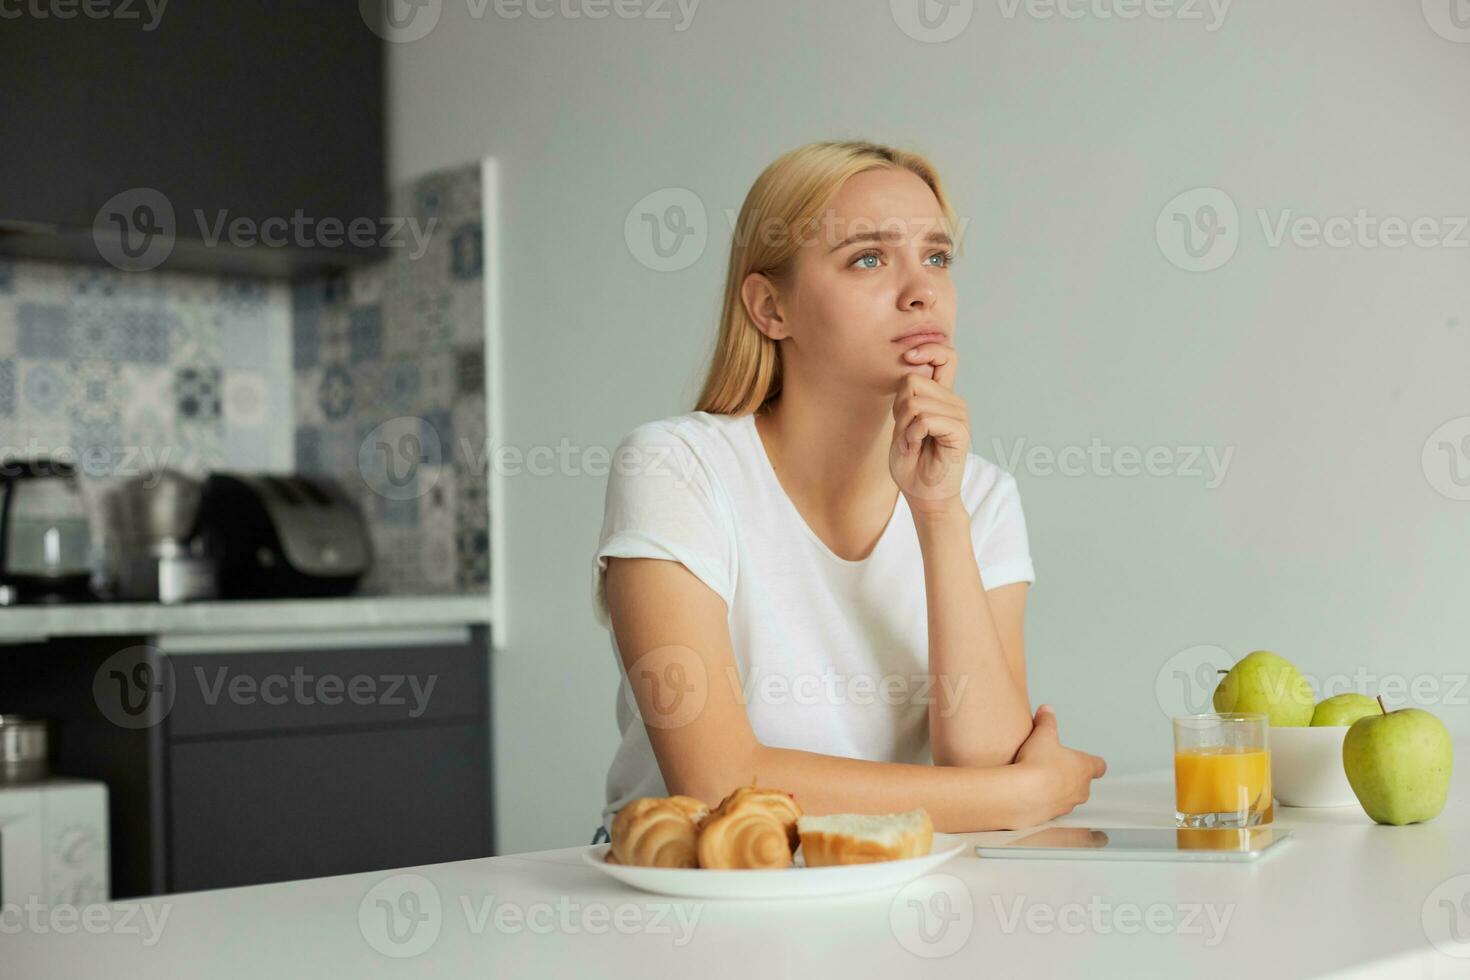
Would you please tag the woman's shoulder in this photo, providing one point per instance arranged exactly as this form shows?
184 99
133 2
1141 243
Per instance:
711 439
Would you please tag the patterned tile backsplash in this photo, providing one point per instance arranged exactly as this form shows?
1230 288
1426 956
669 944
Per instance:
375 377
121 373
389 388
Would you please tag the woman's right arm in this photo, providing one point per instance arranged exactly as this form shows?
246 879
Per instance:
672 633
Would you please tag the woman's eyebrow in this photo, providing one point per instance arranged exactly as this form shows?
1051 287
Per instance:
933 238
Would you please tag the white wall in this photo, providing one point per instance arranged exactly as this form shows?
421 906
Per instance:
1323 369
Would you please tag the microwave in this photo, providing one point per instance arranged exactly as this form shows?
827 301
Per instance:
53 842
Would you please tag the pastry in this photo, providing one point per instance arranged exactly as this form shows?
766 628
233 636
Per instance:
859 838
749 836
658 832
777 803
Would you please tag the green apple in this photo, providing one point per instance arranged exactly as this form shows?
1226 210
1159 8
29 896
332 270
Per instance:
1262 682
1398 764
1344 709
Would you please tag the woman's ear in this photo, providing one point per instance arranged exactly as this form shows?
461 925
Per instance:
763 305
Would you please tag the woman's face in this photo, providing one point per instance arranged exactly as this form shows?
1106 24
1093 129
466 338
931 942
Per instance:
876 269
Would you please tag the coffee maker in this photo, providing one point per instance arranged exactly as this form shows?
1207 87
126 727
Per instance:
45 536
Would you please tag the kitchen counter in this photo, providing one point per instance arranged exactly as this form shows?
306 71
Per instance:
1342 897
26 623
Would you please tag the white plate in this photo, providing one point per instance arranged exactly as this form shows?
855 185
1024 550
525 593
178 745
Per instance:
795 882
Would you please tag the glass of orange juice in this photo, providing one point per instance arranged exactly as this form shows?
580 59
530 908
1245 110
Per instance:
1222 770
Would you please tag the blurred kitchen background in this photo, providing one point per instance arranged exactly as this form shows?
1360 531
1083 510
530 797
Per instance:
255 457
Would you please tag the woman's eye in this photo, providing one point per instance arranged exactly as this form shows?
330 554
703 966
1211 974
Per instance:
866 255
948 258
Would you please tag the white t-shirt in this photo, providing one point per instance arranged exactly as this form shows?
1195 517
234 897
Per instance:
831 653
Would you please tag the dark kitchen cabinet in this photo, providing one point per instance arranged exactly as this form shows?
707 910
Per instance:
254 112
267 765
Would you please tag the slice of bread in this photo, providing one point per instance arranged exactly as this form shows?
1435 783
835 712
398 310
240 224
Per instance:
861 838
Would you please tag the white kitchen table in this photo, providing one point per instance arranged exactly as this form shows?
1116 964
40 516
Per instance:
1342 897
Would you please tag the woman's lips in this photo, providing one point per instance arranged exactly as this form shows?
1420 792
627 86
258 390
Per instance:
915 339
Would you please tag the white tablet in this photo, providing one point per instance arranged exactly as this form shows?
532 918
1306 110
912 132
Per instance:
1139 844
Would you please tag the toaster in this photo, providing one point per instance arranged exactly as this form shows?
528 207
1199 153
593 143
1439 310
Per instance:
275 536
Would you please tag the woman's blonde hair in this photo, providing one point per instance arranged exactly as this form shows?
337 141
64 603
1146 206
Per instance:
788 199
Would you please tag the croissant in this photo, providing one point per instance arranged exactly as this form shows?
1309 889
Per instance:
777 803
658 832
747 836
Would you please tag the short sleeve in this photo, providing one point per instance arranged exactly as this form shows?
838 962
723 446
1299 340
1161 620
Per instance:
662 502
998 532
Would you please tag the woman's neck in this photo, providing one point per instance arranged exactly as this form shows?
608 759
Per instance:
831 452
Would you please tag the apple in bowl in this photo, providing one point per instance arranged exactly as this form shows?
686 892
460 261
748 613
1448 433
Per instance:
1306 761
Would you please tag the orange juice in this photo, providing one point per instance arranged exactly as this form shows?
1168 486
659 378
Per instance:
1223 779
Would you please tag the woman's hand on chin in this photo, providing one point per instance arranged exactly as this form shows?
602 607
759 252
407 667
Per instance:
931 431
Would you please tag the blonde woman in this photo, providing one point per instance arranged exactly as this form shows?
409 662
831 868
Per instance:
810 580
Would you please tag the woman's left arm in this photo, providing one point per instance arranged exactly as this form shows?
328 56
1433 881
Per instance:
979 712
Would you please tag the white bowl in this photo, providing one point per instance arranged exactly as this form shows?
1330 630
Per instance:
1306 766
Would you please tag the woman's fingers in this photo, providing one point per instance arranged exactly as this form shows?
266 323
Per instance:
945 360
947 431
